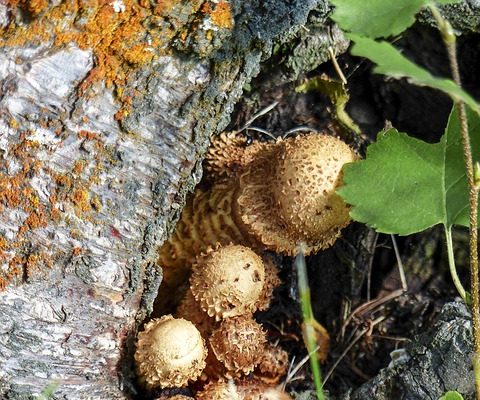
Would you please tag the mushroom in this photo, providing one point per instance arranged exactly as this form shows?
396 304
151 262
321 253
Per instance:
229 154
170 353
228 281
190 310
239 344
297 202
273 364
247 389
272 281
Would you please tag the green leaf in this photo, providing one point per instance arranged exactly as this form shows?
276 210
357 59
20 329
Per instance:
376 18
406 185
392 63
451 396
379 18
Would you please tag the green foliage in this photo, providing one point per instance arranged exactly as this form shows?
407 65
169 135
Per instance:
451 396
392 63
338 94
405 185
49 391
376 18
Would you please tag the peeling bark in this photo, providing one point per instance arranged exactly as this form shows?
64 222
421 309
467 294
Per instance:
94 168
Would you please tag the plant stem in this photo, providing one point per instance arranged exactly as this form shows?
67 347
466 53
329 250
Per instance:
309 322
451 265
450 43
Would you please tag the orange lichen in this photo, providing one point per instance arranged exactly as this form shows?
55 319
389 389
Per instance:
69 190
220 13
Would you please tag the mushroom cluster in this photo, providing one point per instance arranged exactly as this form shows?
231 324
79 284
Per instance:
258 197
228 284
269 196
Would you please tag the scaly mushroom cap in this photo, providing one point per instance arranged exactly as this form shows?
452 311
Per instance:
170 352
246 389
219 390
229 154
273 365
238 344
206 220
287 195
228 281
272 281
190 310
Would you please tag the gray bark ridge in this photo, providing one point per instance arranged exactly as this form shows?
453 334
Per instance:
436 362
97 196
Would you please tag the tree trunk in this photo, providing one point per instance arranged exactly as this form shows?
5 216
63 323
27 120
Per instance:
105 111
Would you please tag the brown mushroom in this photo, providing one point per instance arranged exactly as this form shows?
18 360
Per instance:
229 154
272 281
246 389
170 353
299 203
228 281
273 364
239 344
190 310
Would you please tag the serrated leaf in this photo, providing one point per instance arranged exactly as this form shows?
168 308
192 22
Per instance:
406 185
451 396
392 63
376 18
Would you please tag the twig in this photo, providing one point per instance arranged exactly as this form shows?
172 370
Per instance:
338 70
449 39
350 345
401 270
263 111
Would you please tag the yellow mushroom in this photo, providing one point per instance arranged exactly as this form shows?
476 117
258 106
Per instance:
287 194
170 353
228 281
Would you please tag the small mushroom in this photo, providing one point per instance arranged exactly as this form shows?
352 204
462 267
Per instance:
246 389
287 195
190 310
272 281
239 344
219 390
229 154
228 281
170 353
273 364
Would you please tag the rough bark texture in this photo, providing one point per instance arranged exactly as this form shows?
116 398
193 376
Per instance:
438 361
95 165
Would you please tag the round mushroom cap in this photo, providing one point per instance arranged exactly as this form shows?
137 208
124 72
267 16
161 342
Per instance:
273 365
170 352
288 196
245 389
239 344
228 281
219 390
